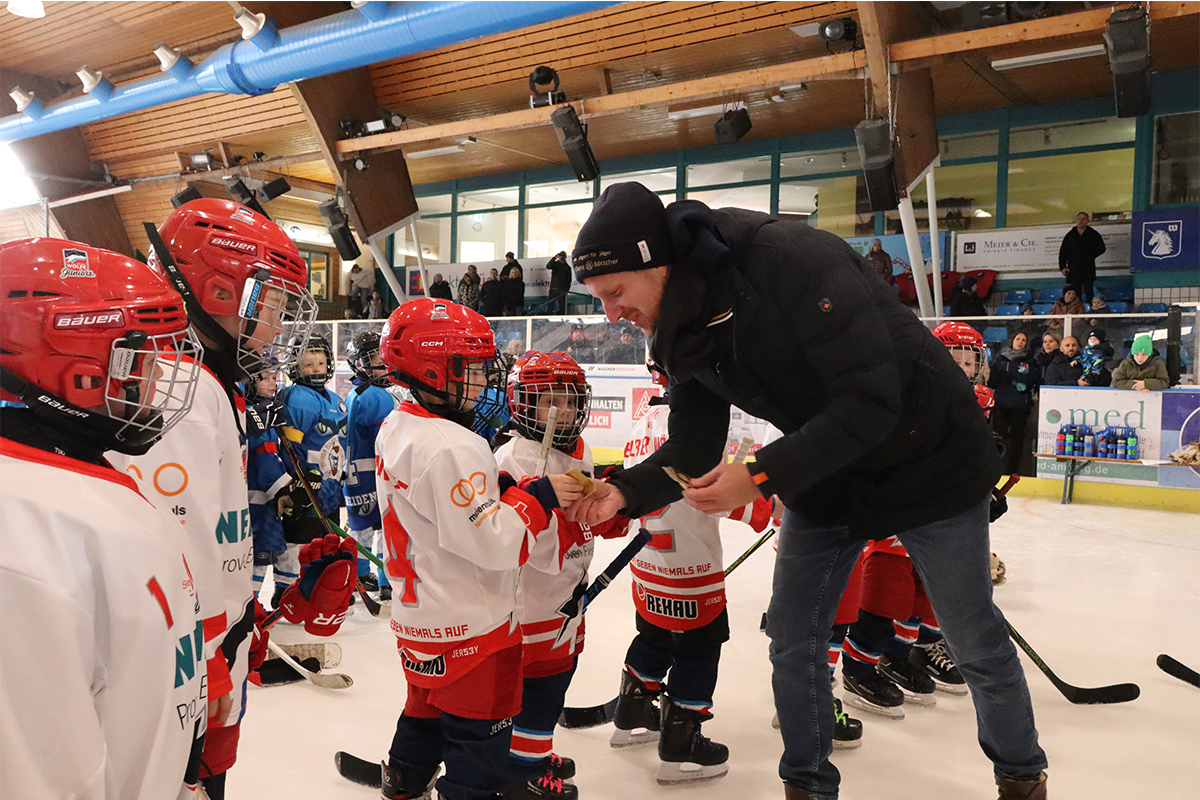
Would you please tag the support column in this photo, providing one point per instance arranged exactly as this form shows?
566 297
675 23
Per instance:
378 253
908 221
935 250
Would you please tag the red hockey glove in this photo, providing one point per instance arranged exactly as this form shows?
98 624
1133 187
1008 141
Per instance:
259 639
328 573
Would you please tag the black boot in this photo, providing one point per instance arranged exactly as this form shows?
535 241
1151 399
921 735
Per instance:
636 716
547 787
686 754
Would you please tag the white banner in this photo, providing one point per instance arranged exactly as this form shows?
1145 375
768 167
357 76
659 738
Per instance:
1034 251
1100 408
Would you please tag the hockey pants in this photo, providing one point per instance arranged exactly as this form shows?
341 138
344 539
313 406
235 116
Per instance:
691 657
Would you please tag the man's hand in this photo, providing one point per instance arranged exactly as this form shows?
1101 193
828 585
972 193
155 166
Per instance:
722 489
1140 386
219 708
599 506
566 489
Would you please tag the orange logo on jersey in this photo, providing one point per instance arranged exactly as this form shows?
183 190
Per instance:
463 492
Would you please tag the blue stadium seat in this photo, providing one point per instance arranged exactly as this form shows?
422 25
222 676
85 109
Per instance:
1120 293
1152 308
1042 308
995 335
1018 296
1008 311
1050 296
1117 306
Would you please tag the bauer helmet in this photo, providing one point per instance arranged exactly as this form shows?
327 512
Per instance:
439 349
965 344
237 263
361 354
315 344
556 378
94 343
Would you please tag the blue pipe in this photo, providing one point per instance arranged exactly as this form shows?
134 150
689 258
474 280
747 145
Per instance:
342 41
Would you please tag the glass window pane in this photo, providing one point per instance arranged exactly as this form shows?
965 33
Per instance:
746 169
434 236
970 145
588 340
838 205
1177 160
549 230
486 237
489 199
1086 133
794 165
558 192
966 199
436 204
656 180
755 198
1053 189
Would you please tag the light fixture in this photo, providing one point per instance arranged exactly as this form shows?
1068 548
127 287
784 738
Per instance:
90 78
838 30
249 22
198 160
30 9
980 214
1049 58
692 113
543 88
790 92
450 149
21 97
167 56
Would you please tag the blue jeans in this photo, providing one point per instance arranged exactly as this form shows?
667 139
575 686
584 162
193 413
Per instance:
811 571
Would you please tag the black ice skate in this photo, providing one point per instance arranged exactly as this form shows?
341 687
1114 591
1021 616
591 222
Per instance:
874 693
392 781
914 682
369 582
547 787
936 661
687 756
385 594
847 731
636 717
562 767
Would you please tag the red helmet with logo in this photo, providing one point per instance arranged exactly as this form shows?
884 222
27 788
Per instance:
240 264
94 342
965 344
559 379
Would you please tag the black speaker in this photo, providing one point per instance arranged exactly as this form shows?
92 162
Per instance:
572 138
1127 34
874 138
983 15
732 126
339 229
186 196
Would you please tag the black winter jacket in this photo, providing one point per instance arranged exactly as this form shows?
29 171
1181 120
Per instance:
1062 369
882 430
1013 381
1078 253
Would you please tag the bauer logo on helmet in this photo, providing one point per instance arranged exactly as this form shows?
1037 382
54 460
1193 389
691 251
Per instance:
236 245
105 319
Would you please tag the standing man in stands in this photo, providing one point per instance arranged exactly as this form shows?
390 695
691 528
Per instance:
1077 256
560 282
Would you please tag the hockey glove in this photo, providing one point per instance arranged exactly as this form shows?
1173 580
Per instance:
998 506
298 497
259 639
263 417
541 490
328 573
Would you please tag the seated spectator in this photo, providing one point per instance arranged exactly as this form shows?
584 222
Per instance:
1069 303
578 346
491 296
966 303
1098 307
440 288
1143 371
625 351
1031 327
1065 365
1095 360
1050 340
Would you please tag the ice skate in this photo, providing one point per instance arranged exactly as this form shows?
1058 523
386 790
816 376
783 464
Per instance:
637 716
385 594
914 682
874 693
687 755
847 731
392 780
547 787
936 661
562 767
369 582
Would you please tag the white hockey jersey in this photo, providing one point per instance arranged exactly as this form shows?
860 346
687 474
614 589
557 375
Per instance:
198 473
102 674
454 543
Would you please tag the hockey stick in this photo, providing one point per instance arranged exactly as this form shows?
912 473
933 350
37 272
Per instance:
1117 693
332 680
547 440
606 577
1177 670
770 532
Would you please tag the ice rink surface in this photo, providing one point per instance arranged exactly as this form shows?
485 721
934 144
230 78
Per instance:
1099 592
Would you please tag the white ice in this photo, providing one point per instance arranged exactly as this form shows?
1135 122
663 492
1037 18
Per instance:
1098 592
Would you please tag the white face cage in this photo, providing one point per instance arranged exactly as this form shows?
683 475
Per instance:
277 318
537 397
152 382
971 359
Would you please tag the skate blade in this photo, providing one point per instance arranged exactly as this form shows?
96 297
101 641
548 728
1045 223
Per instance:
847 744
893 712
671 773
916 698
632 738
956 689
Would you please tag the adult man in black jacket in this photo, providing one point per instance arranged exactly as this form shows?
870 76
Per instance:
560 282
882 436
1077 256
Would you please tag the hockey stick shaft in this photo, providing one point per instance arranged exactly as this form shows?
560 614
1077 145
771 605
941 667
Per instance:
547 440
1008 484
1117 693
610 572
762 540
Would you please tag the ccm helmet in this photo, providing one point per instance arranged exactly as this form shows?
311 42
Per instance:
94 343
316 380
234 262
359 355
965 343
557 378
438 349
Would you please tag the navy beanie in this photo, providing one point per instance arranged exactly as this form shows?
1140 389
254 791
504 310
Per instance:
626 231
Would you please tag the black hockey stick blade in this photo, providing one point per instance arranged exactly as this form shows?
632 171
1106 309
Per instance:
1178 670
588 717
375 607
1101 695
358 770
277 672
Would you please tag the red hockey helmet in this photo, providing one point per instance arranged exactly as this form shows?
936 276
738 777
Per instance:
240 264
562 382
439 348
965 344
94 342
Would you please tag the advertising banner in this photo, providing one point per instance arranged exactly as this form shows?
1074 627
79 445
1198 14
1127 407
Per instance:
1165 240
1034 251
894 246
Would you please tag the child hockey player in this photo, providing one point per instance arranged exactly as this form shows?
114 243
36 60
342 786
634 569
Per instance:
266 477
366 408
97 582
457 531
553 580
679 594
242 281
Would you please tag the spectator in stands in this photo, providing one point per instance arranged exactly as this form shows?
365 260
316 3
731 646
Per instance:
1095 359
1025 323
1050 340
1065 366
362 283
1069 303
1077 256
375 307
512 279
578 346
1143 371
440 288
468 288
880 261
491 296
1014 377
1098 307
560 283
512 351
966 302
625 351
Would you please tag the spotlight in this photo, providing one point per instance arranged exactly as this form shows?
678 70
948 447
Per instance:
351 127
339 229
276 188
89 78
388 121
243 194
259 155
186 196
838 30
538 95
732 126
572 137
1127 34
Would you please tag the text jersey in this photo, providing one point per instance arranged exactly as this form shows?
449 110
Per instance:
454 542
315 426
198 472
366 409
102 674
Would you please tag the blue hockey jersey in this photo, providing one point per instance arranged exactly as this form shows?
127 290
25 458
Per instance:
266 477
366 408
315 426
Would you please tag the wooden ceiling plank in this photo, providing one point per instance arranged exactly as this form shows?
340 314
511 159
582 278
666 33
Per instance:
876 44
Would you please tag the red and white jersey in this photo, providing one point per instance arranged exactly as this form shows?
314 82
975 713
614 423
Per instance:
102 674
454 542
198 473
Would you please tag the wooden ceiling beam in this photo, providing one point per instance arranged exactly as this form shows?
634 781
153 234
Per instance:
841 65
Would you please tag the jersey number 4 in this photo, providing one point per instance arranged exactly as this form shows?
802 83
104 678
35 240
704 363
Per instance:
399 563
